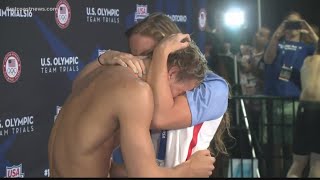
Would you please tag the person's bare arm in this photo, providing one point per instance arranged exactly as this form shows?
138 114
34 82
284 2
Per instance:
169 113
135 115
135 141
310 32
271 50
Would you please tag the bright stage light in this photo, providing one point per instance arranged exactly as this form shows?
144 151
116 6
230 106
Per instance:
234 18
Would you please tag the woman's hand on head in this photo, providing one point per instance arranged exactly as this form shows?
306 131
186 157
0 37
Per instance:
125 60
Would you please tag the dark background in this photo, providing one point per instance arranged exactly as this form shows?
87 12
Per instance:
36 94
272 12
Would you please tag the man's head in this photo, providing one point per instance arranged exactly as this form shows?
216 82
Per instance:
293 25
261 37
186 67
144 36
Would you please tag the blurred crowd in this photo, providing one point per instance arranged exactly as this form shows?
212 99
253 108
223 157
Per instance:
265 59
281 63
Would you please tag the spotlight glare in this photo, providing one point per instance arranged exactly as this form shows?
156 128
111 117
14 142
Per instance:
234 18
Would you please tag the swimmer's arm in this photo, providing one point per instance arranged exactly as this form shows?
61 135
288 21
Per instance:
169 113
135 140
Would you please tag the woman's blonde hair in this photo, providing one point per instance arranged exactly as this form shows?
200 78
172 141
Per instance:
156 25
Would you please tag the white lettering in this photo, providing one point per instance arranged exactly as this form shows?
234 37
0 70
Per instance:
45 62
104 12
4 132
15 12
14 122
90 11
17 130
60 61
110 19
178 18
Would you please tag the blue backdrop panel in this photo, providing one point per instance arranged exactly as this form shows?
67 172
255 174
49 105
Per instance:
44 45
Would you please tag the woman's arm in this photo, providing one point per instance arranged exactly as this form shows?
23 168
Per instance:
108 58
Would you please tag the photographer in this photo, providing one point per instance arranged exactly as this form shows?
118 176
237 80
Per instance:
285 54
283 59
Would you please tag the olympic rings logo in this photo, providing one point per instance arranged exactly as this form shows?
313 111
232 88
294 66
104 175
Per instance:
12 71
63 18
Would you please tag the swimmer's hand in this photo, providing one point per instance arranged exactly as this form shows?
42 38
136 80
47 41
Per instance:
201 164
173 43
126 60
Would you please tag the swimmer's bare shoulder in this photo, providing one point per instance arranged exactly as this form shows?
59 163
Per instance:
123 85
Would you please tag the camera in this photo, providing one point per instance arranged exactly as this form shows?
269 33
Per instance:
293 25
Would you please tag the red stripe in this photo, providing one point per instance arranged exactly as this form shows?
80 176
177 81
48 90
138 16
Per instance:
194 139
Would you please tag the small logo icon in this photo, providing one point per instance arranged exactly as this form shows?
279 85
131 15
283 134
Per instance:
63 14
141 12
11 67
58 108
202 19
46 173
14 172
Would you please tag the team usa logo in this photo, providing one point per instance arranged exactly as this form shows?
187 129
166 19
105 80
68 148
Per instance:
14 172
11 67
63 14
202 19
141 12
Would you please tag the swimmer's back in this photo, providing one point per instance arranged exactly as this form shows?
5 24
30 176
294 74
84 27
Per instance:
82 138
310 80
